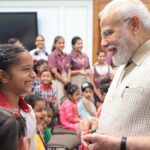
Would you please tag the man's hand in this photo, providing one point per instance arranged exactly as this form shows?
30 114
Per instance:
98 141
88 124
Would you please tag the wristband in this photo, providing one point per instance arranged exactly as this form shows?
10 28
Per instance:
123 143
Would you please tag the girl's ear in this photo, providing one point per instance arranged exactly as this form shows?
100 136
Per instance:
3 77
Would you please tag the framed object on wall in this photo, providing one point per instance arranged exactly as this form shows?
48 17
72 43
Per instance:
21 25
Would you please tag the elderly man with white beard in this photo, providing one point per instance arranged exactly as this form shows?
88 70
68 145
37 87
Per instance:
124 123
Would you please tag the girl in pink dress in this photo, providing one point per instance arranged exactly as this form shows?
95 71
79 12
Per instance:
68 110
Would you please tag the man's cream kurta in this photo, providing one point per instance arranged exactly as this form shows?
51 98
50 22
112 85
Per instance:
126 110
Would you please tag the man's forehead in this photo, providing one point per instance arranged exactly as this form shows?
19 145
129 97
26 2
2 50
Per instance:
110 19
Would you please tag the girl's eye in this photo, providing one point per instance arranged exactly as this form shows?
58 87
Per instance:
26 69
39 110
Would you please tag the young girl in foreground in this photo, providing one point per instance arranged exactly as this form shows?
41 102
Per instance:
16 76
86 107
68 110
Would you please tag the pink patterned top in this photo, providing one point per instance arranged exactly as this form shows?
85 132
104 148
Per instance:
68 115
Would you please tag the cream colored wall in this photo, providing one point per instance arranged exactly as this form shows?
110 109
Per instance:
59 17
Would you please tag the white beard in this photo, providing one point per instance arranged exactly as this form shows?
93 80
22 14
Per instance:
125 49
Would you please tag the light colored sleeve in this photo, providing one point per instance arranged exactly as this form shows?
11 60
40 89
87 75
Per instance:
31 127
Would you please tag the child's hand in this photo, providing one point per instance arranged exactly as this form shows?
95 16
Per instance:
49 100
54 100
83 72
88 72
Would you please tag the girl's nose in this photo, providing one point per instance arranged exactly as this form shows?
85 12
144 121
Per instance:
33 74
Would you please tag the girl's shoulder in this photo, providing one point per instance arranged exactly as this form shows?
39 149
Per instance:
65 102
85 100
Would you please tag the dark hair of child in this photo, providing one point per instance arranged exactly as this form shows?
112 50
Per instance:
32 99
74 40
105 84
100 51
70 88
86 85
37 64
56 39
13 40
41 36
12 128
9 56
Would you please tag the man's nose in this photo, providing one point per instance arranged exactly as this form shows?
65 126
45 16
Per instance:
104 43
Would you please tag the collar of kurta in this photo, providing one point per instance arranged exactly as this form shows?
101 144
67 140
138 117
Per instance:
22 104
59 52
43 87
142 52
40 50
76 54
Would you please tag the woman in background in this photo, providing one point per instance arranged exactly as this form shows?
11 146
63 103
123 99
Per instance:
59 64
80 66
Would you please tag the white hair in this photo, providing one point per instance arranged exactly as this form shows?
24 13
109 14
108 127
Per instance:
128 8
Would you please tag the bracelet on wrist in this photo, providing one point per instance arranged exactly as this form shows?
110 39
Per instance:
123 143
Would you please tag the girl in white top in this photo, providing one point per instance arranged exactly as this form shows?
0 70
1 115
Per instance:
16 75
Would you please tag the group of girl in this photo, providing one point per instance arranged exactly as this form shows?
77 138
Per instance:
75 67
63 69
80 106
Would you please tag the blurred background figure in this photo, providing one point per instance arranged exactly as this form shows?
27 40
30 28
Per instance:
80 66
86 107
38 105
101 70
15 41
68 113
39 52
59 64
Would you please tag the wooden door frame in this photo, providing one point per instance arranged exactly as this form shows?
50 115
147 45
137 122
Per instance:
97 6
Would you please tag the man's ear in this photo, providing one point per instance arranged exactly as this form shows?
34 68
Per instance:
135 24
3 77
